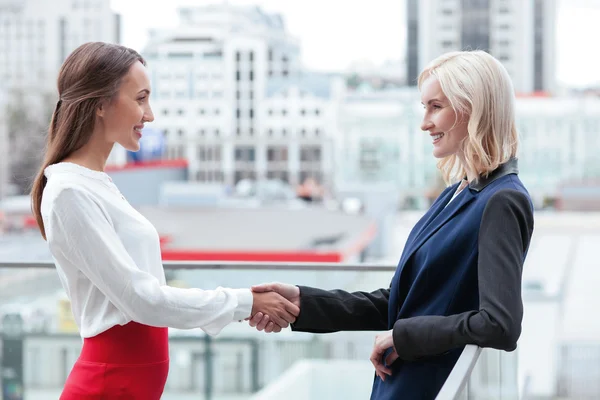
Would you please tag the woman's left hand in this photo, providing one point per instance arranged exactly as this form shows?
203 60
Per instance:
383 342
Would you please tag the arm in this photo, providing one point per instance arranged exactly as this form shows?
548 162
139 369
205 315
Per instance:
82 237
324 311
504 237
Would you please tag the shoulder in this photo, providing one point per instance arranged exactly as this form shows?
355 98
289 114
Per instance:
506 205
63 192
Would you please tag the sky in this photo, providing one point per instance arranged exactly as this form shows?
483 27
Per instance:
334 34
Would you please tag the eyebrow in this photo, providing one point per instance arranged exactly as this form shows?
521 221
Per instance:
147 91
432 100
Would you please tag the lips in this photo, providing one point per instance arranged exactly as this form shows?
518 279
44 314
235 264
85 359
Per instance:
138 129
437 136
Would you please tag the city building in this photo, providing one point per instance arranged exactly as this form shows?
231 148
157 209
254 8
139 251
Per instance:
4 161
230 96
37 35
381 141
520 33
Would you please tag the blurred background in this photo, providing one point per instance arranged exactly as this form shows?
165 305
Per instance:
286 135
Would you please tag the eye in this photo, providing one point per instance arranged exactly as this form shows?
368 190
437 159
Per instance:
142 99
437 106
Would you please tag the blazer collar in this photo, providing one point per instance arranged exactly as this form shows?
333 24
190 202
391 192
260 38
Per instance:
509 167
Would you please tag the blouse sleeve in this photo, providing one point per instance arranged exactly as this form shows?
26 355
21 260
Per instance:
82 237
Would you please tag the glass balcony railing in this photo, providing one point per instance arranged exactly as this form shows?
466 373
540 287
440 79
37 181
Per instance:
240 363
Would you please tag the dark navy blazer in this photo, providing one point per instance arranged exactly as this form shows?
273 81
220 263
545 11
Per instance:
458 282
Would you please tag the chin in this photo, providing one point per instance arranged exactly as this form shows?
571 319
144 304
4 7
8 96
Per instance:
133 147
439 154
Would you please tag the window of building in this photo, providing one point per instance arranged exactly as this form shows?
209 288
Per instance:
277 153
244 153
310 153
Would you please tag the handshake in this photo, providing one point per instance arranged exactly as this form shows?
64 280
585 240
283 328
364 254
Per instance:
274 306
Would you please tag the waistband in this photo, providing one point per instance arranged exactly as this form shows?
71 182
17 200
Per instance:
132 343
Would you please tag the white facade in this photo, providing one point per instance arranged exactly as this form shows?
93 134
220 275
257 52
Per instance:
214 79
4 152
381 140
37 35
520 33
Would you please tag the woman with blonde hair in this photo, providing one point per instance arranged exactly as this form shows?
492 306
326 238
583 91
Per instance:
106 253
458 280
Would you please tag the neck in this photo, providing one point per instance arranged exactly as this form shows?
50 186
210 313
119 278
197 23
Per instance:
93 154
470 175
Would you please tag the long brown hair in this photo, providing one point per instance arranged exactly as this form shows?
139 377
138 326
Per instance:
92 73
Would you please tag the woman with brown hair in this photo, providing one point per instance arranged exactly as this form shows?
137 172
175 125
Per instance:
107 254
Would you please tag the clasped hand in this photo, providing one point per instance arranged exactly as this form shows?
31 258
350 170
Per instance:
276 305
383 342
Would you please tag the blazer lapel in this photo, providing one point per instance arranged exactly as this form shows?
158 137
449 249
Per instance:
439 217
437 208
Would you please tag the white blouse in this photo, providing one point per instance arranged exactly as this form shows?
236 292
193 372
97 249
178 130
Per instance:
109 261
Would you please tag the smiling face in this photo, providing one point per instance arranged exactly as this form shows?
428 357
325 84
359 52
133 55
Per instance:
123 118
446 128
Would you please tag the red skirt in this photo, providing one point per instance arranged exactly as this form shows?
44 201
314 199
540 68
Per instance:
124 362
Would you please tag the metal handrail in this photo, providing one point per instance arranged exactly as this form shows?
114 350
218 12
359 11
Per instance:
460 374
235 265
454 385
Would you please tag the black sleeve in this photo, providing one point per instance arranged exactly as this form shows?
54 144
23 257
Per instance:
325 311
504 237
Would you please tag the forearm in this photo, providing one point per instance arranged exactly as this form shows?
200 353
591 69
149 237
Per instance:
324 311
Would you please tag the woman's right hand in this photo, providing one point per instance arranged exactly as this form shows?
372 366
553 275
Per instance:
275 308
263 321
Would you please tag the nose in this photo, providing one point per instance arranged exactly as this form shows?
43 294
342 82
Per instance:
426 124
148 115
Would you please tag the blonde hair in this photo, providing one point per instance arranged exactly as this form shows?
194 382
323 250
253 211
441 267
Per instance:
477 85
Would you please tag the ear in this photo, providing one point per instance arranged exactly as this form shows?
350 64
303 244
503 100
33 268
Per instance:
101 109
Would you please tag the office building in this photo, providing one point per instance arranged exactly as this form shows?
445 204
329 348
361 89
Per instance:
520 33
231 97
